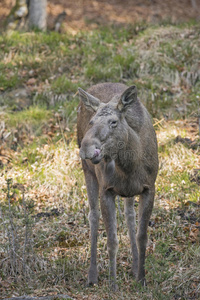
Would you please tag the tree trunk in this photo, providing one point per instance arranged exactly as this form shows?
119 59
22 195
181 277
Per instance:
38 14
194 4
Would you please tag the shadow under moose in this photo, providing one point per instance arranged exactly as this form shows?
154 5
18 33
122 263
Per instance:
118 148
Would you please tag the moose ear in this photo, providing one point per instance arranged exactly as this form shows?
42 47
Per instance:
127 98
89 100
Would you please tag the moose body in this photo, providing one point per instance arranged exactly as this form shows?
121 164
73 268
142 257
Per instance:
118 148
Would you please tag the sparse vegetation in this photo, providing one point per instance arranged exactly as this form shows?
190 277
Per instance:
38 151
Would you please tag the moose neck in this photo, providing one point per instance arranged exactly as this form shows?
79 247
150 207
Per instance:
130 154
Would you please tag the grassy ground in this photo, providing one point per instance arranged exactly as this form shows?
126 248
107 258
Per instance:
44 231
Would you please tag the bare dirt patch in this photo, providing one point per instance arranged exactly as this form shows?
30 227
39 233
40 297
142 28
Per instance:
88 14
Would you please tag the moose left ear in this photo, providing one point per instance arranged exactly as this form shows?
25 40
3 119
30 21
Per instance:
88 100
127 98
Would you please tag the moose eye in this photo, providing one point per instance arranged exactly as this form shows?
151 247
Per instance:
113 123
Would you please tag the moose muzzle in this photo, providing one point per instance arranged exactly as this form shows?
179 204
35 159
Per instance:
91 150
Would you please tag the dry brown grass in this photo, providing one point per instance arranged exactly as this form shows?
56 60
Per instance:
59 239
44 235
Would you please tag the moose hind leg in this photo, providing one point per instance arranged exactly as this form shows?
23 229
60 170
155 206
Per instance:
145 210
130 221
109 217
93 194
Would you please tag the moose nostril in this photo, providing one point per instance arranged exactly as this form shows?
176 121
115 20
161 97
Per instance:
96 152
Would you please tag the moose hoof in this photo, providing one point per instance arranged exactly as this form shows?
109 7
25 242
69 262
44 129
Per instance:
142 281
92 277
133 275
114 287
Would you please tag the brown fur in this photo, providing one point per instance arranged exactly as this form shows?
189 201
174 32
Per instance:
118 148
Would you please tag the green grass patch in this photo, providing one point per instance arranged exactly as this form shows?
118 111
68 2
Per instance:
8 81
62 85
32 116
161 60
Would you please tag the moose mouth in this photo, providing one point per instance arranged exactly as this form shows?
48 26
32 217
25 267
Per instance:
97 156
94 156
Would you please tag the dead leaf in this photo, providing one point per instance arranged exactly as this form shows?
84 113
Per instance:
194 235
31 81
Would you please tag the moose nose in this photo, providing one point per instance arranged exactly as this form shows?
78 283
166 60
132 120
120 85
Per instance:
97 152
91 153
90 148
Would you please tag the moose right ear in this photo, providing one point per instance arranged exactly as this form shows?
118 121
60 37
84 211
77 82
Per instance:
127 98
89 100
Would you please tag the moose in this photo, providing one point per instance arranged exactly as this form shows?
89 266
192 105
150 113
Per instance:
118 150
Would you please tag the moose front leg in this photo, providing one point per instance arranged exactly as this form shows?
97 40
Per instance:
130 221
93 194
145 210
109 216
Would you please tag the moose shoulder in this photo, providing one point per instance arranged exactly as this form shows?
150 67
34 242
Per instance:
118 149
